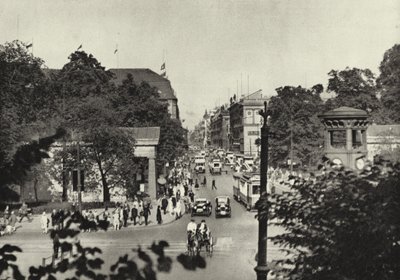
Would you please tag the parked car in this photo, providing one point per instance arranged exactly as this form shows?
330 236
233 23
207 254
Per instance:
223 206
201 207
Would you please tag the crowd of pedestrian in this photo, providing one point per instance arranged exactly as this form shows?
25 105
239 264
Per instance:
177 195
9 219
175 198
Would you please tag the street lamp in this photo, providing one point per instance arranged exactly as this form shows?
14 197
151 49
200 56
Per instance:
262 268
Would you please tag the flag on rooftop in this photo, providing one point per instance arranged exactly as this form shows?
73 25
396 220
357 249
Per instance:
163 66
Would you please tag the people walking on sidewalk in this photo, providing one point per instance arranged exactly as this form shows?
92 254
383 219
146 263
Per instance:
173 199
125 213
141 212
134 214
178 210
56 245
205 182
164 204
44 221
146 213
12 221
121 216
116 223
159 216
24 212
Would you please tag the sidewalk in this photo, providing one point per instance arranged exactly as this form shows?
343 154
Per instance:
35 226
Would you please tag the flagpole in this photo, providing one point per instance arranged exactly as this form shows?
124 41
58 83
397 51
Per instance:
117 57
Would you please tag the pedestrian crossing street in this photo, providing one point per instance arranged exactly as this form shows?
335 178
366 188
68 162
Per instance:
223 247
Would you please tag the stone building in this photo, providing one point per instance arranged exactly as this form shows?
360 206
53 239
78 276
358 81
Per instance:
245 123
220 127
167 93
383 140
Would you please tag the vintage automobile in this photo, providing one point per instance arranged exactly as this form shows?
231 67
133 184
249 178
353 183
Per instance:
200 163
215 166
222 206
201 207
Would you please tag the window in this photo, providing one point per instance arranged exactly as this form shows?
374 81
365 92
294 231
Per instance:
256 189
338 139
356 138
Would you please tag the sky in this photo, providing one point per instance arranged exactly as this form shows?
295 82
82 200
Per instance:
212 49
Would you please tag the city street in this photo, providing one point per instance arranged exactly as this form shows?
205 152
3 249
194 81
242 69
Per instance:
234 250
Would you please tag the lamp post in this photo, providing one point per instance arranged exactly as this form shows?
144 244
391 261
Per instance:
262 268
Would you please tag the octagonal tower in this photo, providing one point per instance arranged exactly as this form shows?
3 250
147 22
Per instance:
345 136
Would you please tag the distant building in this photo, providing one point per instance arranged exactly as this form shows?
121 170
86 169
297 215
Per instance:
245 123
163 85
219 127
167 93
383 140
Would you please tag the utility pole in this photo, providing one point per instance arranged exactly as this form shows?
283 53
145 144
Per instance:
291 147
79 177
64 171
262 268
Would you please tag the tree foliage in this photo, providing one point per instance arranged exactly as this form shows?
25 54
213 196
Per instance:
389 82
356 88
140 106
339 224
294 110
23 90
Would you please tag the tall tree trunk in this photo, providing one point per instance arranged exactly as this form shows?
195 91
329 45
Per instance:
106 190
35 183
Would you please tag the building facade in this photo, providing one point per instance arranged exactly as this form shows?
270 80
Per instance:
220 129
139 75
383 140
245 123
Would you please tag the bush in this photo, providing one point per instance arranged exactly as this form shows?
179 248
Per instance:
340 224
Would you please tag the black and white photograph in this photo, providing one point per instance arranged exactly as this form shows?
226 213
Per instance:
200 139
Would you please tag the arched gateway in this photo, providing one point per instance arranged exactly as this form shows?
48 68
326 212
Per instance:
146 142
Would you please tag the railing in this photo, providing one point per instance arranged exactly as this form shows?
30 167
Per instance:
54 259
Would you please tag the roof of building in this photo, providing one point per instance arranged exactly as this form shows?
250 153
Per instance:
139 75
253 99
384 130
345 112
145 75
144 136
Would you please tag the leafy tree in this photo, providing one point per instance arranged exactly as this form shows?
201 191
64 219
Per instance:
355 88
339 224
107 152
140 106
389 82
294 124
23 96
83 88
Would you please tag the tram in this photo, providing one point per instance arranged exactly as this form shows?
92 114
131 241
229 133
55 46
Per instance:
246 189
